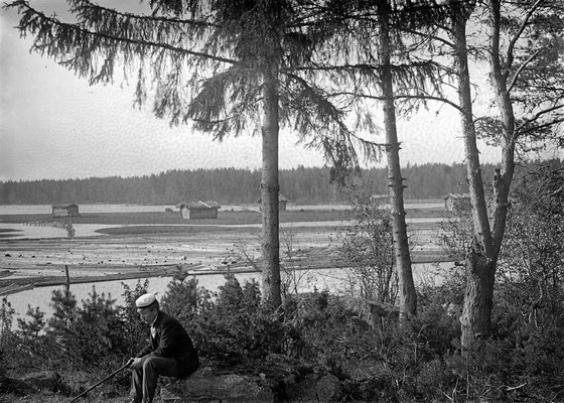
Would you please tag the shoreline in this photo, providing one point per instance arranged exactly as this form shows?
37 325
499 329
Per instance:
13 285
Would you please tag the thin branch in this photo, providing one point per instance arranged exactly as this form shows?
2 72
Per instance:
520 69
514 40
434 37
381 98
539 127
538 115
542 112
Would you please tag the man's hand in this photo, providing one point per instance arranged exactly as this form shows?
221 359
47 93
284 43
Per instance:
136 363
133 362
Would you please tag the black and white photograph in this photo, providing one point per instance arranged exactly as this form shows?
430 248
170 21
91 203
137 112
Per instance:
281 201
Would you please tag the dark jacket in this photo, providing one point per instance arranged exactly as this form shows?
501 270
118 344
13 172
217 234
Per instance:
172 341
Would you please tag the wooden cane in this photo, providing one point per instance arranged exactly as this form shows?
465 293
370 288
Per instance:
117 371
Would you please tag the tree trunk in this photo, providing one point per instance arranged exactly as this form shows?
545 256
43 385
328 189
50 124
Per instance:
269 194
480 259
407 295
478 299
504 177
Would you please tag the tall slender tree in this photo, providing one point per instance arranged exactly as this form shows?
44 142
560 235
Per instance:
393 71
407 295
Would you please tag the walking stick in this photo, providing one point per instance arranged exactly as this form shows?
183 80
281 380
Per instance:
117 371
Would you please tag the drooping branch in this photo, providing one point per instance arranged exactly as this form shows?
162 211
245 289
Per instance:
60 37
314 104
89 12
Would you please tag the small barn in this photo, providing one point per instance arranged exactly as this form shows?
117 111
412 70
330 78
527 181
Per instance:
64 210
199 209
282 202
457 202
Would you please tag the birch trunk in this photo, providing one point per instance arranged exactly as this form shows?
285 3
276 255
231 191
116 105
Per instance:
481 258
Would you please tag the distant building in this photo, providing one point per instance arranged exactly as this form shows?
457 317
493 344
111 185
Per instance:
199 209
64 210
457 202
282 202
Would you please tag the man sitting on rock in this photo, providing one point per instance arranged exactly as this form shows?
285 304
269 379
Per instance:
170 351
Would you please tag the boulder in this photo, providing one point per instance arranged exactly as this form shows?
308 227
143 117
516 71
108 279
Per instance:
205 386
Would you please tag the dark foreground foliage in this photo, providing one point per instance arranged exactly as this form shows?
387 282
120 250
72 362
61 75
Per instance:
315 333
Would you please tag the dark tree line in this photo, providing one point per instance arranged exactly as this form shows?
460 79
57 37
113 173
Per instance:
232 186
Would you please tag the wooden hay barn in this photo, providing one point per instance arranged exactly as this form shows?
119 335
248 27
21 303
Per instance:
64 210
457 202
199 209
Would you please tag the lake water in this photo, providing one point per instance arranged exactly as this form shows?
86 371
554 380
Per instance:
335 280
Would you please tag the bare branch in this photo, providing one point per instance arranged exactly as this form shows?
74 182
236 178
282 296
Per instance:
540 113
424 35
511 46
520 69
381 98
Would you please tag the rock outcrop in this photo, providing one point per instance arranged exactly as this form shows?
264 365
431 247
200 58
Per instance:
205 386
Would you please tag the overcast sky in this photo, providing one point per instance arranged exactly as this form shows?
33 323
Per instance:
53 125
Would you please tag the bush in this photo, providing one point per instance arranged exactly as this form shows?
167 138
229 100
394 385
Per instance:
230 326
95 335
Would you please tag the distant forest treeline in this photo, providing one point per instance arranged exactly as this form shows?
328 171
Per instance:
233 186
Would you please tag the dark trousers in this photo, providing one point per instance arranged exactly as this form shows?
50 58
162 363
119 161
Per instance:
144 377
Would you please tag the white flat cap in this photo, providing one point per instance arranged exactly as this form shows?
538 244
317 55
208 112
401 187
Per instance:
145 300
